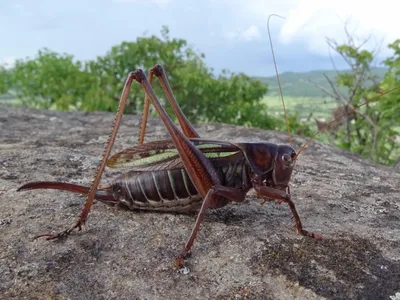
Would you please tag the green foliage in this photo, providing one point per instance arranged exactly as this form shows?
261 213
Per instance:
391 105
5 80
296 126
52 80
374 131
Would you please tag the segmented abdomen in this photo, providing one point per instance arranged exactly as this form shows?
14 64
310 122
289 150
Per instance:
172 190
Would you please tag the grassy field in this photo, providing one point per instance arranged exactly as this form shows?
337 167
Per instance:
302 96
319 107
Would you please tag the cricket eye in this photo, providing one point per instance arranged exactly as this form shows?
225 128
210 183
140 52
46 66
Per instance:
287 159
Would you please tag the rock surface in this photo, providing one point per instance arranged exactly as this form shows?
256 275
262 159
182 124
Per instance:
243 251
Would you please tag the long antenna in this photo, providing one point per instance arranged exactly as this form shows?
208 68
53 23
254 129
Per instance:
277 76
341 116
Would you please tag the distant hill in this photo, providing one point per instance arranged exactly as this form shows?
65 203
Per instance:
299 85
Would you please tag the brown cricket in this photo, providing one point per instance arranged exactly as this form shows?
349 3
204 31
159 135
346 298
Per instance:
186 173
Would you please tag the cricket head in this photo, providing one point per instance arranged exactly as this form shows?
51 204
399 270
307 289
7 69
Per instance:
284 163
272 163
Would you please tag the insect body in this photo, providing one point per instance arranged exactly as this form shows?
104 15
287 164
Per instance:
166 186
160 181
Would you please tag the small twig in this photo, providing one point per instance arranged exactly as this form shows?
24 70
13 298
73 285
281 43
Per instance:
322 88
339 96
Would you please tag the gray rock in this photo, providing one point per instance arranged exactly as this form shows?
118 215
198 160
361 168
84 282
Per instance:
243 251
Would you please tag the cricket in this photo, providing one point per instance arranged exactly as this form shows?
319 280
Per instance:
186 173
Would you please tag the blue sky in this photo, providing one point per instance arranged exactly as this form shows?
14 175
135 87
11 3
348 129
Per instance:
232 33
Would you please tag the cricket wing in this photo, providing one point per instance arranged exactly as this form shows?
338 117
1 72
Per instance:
162 155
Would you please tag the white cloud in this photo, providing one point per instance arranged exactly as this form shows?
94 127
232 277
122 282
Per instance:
249 34
230 35
311 21
8 62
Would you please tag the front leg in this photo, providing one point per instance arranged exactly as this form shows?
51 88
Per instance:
217 190
264 191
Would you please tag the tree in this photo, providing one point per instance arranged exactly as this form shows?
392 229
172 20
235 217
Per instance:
52 80
371 130
228 98
390 105
5 79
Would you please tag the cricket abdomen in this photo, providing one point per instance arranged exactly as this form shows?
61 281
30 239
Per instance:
172 190
164 190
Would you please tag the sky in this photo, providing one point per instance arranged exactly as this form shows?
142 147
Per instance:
231 33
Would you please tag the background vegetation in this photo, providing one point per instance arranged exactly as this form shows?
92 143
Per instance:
58 81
